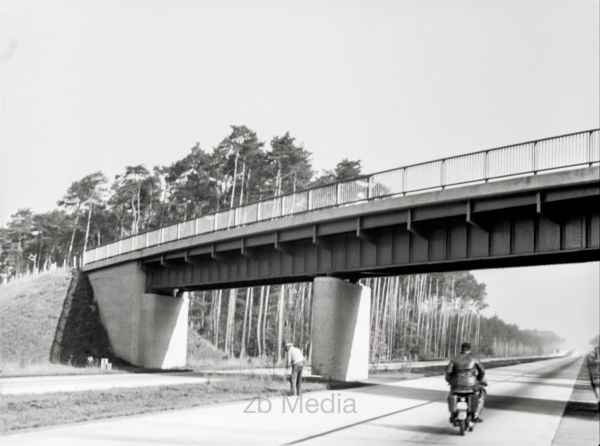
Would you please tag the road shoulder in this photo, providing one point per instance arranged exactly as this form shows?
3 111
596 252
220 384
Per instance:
580 423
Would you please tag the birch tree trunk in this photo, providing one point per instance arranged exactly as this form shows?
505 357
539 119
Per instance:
230 333
250 311
244 324
280 308
259 344
266 315
73 234
217 316
87 228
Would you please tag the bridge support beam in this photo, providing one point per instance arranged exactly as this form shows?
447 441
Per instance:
340 329
144 329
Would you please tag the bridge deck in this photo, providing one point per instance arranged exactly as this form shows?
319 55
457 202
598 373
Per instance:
524 159
530 220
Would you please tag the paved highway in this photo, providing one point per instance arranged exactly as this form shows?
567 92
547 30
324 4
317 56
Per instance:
525 407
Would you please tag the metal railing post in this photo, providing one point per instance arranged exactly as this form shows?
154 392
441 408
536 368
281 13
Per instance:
533 158
403 181
309 200
369 186
442 173
486 168
337 194
590 159
258 211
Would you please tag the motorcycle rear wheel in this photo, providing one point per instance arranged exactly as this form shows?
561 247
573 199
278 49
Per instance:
462 425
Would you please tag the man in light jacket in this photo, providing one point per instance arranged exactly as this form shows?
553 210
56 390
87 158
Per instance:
295 359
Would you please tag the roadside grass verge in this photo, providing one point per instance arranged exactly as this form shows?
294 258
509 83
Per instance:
44 369
30 411
407 373
593 365
49 324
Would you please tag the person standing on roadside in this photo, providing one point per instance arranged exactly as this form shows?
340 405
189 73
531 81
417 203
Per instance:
295 359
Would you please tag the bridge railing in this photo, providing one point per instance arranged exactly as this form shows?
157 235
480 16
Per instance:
530 158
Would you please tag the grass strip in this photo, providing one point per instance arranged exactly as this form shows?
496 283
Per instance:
30 411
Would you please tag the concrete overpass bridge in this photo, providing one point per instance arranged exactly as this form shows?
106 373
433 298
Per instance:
527 204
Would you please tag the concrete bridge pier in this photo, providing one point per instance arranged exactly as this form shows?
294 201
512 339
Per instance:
340 329
144 329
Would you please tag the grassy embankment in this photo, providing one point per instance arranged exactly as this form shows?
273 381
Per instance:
29 313
37 321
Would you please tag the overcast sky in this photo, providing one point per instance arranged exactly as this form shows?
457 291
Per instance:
88 86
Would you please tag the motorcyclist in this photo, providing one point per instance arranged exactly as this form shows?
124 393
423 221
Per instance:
465 373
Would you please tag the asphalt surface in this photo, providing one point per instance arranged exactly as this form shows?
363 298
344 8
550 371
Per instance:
525 406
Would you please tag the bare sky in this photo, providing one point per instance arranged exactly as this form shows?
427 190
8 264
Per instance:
561 298
97 85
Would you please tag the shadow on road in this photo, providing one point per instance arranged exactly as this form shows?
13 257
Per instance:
422 429
497 402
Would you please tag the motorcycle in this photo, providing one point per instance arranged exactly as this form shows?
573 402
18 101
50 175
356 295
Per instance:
464 403
463 416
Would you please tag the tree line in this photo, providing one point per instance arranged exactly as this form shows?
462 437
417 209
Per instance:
93 211
411 316
424 316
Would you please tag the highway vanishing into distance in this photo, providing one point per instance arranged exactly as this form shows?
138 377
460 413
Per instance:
526 406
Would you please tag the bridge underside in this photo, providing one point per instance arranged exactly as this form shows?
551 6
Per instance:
558 226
